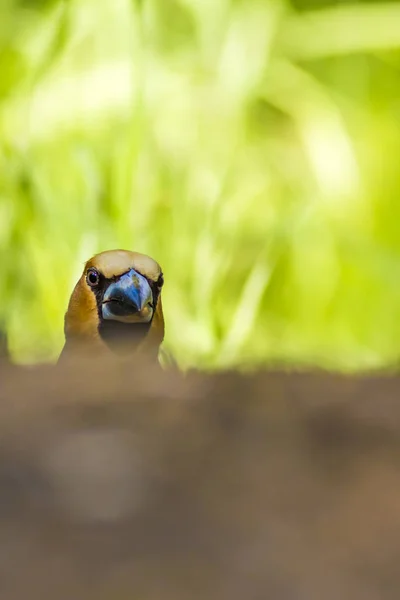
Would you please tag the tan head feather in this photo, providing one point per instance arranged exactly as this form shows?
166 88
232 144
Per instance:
82 317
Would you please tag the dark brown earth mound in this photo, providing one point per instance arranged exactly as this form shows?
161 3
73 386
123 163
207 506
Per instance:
134 484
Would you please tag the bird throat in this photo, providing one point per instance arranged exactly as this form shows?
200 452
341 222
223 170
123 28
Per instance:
123 338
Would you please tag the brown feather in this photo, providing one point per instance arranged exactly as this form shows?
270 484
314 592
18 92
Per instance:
81 325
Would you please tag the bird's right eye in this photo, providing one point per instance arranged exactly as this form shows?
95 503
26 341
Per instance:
93 277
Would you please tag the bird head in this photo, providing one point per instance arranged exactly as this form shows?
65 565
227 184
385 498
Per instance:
116 304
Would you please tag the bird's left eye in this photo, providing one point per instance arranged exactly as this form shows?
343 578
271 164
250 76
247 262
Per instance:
93 277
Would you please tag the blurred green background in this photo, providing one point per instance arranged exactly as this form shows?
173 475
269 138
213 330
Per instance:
252 147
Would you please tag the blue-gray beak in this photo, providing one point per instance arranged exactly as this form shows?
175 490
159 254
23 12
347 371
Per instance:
129 299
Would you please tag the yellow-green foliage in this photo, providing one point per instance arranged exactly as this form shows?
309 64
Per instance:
252 147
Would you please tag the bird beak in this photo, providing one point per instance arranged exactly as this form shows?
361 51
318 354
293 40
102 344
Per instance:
128 300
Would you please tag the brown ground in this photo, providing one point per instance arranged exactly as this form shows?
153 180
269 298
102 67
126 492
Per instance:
115 486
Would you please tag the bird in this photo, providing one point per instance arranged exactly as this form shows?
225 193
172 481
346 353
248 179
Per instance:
115 308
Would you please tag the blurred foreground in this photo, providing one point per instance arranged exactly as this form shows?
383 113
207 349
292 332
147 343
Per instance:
114 486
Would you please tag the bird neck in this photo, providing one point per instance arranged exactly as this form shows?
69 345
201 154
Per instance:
123 338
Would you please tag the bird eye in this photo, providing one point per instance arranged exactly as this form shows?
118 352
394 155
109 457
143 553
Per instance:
160 281
92 277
